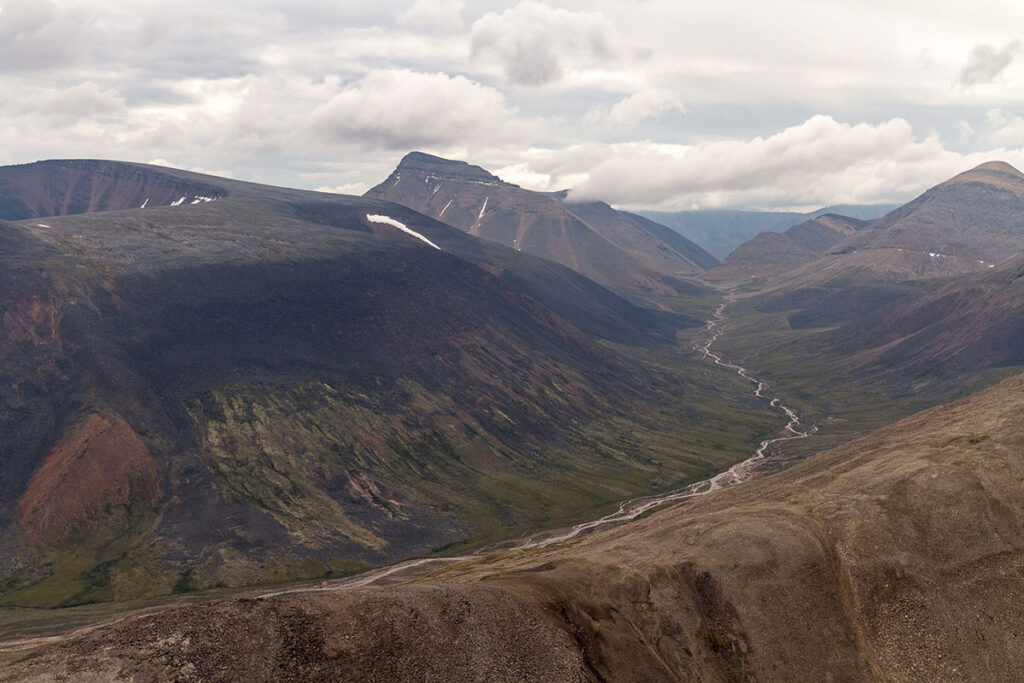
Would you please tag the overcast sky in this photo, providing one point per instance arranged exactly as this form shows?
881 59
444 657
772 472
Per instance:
643 103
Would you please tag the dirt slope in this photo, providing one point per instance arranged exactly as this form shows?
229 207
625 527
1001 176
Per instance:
895 557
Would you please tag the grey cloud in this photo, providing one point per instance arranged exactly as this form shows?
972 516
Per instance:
987 62
35 34
533 43
401 109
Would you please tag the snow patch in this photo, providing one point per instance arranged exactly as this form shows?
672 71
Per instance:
200 199
179 202
936 255
445 207
145 203
388 220
42 225
483 208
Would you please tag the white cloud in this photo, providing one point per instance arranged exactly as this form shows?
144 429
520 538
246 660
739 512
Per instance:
402 109
443 16
185 167
348 188
821 161
1003 130
534 44
640 106
986 63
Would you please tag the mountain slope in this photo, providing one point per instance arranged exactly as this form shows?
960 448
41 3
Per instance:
471 199
895 557
721 231
963 225
339 381
771 253
656 245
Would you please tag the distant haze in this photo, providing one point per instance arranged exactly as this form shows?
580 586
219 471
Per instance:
649 104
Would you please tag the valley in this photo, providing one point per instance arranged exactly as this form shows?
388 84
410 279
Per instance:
393 417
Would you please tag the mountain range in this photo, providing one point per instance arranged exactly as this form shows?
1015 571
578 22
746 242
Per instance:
340 381
623 252
212 385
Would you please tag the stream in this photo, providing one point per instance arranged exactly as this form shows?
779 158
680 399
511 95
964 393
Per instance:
630 509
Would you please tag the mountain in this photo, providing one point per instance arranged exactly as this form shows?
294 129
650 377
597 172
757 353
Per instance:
211 382
660 247
894 557
933 338
721 231
471 199
772 253
963 225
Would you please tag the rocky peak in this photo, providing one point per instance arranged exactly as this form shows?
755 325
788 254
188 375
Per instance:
431 166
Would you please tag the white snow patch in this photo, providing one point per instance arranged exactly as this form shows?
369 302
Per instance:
388 220
42 225
145 203
200 199
936 255
445 207
483 208
179 202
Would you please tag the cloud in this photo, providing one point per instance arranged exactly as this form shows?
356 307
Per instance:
821 161
36 35
1003 130
443 16
629 111
185 167
348 188
66 106
402 109
534 44
987 62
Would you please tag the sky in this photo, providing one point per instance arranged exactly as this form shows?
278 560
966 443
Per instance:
657 104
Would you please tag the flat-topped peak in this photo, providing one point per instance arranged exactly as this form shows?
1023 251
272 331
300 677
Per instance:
428 164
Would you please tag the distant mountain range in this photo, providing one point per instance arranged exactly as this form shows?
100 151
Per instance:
966 224
620 251
721 231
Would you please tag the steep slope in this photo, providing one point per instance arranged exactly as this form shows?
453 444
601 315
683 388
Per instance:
945 333
963 225
471 199
895 557
770 254
658 246
338 381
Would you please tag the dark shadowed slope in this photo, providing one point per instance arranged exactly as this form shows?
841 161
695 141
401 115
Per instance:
335 381
483 205
895 557
656 245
